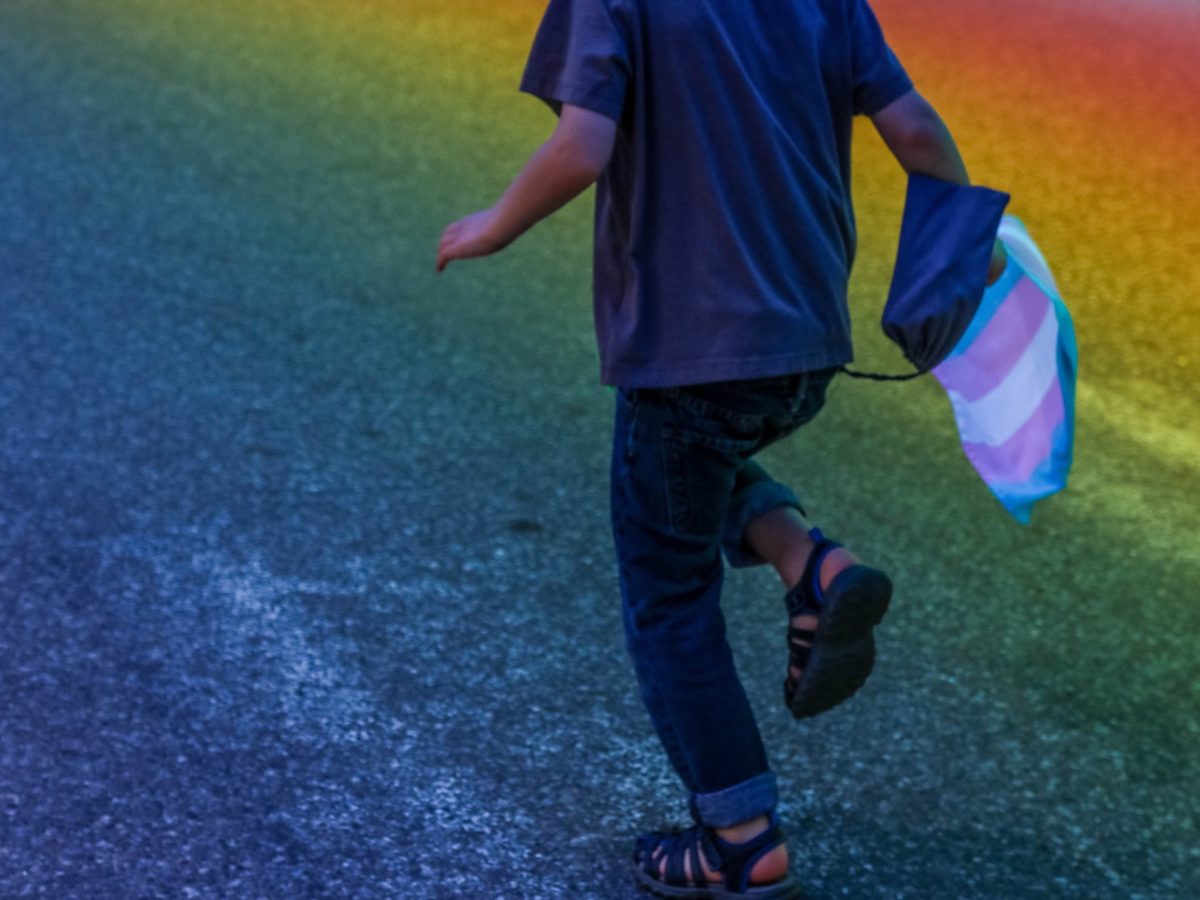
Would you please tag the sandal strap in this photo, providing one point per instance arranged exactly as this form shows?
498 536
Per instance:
650 849
681 849
678 849
676 874
711 855
702 846
738 859
798 655
807 595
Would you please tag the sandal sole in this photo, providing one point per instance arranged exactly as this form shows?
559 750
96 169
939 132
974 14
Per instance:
788 889
843 652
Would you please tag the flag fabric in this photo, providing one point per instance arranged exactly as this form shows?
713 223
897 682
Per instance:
1011 380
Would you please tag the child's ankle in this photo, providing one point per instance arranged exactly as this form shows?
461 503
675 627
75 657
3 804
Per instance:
773 865
743 831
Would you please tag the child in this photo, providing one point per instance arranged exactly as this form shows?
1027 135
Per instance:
718 134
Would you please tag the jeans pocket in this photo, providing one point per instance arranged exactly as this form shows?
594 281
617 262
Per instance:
700 470
811 399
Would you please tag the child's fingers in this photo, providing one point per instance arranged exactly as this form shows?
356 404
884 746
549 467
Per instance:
999 262
446 246
462 240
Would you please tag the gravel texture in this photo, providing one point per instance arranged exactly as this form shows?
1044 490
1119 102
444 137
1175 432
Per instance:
306 584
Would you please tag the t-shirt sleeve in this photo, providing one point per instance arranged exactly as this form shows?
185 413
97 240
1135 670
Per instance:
879 78
580 56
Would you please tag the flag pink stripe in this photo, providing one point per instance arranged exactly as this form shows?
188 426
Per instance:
1017 458
992 355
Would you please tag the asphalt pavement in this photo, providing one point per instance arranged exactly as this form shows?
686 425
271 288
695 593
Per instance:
306 583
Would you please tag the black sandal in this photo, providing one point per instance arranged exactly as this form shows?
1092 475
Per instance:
836 658
732 861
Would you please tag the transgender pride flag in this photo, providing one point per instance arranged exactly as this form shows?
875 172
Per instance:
1011 380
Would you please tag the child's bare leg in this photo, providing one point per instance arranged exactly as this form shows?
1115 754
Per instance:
781 538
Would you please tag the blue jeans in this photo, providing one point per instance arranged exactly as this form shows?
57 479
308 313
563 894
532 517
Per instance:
684 487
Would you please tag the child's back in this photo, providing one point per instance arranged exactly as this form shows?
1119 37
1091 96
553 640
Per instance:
726 204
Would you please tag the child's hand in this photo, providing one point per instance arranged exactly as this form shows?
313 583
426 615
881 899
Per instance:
999 263
468 238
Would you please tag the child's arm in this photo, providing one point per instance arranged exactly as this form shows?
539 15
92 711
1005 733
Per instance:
562 168
919 139
922 144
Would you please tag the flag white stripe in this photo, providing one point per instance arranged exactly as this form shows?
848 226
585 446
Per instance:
996 416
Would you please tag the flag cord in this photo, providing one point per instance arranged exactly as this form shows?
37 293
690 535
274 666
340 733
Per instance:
875 377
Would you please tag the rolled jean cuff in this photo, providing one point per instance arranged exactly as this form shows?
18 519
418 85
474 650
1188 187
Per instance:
739 803
747 505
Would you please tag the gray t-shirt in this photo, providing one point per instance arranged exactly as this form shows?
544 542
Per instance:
724 230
